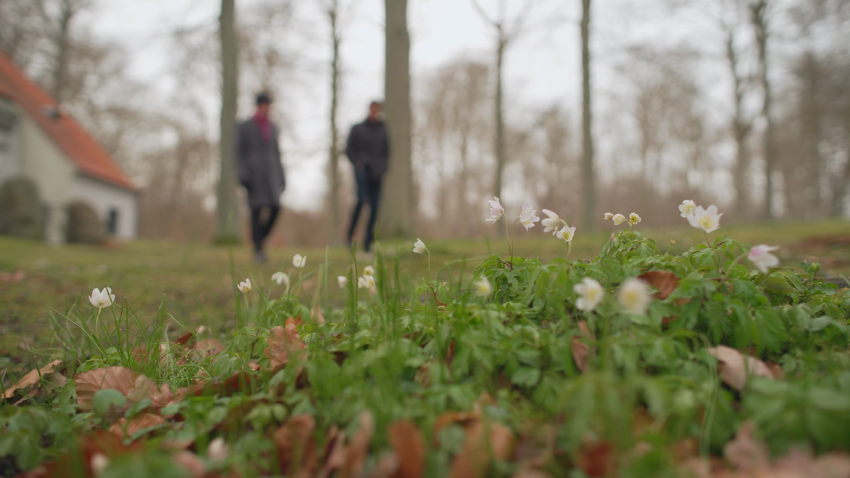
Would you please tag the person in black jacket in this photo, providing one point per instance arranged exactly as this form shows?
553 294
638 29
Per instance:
260 171
369 151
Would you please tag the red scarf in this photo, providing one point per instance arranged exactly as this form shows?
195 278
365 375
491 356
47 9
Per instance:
265 126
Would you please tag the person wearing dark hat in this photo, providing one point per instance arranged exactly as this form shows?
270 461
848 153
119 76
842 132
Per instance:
260 172
368 150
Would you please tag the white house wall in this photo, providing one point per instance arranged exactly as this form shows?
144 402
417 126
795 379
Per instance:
104 197
51 171
9 157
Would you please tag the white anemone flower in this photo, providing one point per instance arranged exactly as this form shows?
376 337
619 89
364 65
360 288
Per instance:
102 298
496 210
368 271
761 257
342 280
634 219
634 296
245 286
706 219
366 282
281 278
217 450
551 223
98 463
590 294
419 246
618 219
567 233
528 216
483 287
687 208
608 216
299 261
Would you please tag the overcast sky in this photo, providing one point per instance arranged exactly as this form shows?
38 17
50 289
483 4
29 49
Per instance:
543 66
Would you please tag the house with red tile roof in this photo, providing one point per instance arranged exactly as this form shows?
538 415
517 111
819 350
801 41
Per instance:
40 141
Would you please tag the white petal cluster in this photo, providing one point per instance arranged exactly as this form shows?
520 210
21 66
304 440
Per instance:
760 256
102 298
634 296
590 294
245 286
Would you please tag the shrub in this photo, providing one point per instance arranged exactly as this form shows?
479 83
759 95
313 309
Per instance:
20 209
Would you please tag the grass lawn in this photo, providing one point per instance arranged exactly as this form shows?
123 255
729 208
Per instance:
457 363
193 282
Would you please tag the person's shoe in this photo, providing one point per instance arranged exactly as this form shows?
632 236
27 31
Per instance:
260 257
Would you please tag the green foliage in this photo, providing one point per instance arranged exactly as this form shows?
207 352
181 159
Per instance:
416 349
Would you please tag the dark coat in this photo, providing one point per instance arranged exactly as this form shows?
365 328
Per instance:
258 164
369 148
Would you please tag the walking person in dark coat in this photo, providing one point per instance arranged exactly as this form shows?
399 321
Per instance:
260 172
369 151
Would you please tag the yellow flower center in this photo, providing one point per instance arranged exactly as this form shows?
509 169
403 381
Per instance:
705 222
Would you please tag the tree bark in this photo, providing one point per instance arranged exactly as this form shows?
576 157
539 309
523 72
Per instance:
228 225
500 112
758 18
740 130
839 188
398 207
587 172
63 39
333 149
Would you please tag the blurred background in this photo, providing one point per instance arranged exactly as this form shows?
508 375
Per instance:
578 106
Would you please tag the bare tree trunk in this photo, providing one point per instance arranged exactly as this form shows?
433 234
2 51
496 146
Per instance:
839 188
500 113
333 150
398 208
63 34
740 130
758 18
228 225
587 173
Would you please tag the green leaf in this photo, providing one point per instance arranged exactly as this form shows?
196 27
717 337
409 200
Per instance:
526 377
828 399
106 399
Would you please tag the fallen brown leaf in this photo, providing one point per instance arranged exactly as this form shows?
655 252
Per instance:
358 449
596 458
191 462
485 441
665 282
744 452
317 315
33 377
114 378
208 347
185 338
409 447
296 446
579 347
734 367
125 428
144 387
334 452
284 342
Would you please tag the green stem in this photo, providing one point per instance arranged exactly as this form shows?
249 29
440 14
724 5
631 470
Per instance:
714 253
429 264
735 262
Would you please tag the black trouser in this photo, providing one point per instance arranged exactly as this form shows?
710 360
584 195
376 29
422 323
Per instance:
260 229
368 191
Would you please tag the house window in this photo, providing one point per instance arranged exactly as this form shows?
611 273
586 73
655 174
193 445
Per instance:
112 221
